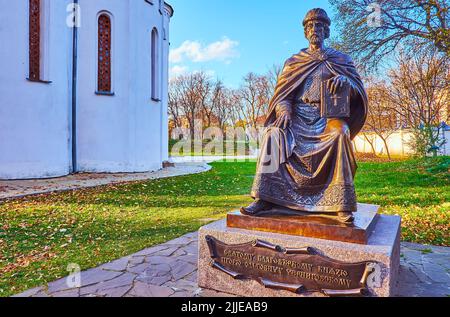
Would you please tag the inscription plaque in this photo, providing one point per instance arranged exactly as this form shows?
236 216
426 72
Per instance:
296 270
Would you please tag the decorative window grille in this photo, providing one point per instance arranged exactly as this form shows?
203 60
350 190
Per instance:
35 40
104 53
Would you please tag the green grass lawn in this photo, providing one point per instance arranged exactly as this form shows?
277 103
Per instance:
41 235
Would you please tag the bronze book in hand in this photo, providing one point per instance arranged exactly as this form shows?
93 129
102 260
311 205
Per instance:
334 105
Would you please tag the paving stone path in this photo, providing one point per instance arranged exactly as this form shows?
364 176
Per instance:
170 270
424 271
18 188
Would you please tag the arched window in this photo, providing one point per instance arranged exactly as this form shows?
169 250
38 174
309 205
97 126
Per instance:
104 53
155 65
35 40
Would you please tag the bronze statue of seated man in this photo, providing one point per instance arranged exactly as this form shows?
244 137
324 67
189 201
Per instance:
307 162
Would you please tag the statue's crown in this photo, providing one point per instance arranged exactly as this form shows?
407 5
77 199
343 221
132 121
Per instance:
317 14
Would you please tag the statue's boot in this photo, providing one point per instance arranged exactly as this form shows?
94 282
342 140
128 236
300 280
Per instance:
346 217
256 207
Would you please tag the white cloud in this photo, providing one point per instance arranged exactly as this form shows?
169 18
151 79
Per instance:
223 50
177 70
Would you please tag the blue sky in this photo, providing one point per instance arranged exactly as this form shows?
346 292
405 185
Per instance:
229 38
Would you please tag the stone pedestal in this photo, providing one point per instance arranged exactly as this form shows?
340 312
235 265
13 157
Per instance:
383 247
310 225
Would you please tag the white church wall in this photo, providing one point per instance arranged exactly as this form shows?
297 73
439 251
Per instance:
34 117
148 112
165 88
151 114
398 143
124 132
445 148
103 138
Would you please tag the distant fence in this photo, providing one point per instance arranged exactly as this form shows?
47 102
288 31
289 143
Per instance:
397 143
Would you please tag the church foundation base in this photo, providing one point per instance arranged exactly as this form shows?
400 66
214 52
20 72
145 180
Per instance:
239 273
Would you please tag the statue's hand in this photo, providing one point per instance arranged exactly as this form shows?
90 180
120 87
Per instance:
283 120
336 83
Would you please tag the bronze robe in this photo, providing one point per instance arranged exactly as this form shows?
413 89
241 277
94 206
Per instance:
315 164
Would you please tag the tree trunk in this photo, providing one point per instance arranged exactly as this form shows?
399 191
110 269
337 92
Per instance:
374 151
387 148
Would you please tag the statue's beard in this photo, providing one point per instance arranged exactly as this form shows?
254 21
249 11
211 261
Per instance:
315 40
